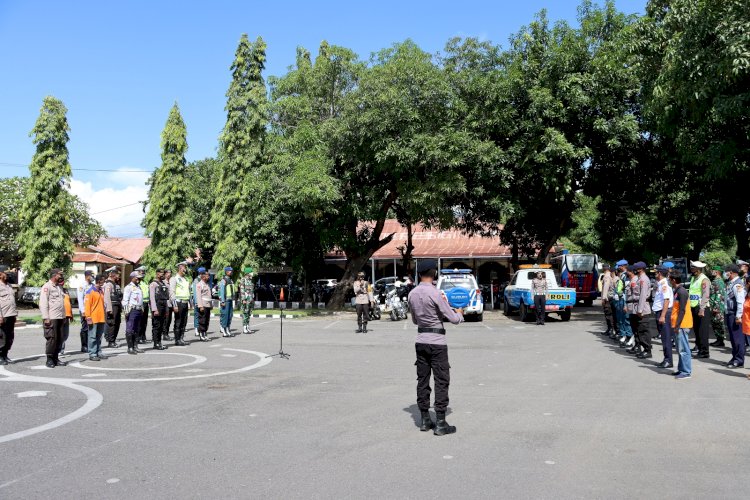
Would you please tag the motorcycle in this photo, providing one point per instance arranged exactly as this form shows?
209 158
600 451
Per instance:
394 305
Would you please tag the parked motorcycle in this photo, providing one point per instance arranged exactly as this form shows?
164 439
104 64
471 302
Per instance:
394 305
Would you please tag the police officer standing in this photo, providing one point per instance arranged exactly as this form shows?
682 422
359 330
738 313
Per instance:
226 302
203 302
361 302
159 304
429 309
146 293
168 318
662 307
112 305
606 304
733 316
179 293
639 309
52 307
700 291
132 302
539 289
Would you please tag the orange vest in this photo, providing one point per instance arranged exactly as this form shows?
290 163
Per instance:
687 319
746 317
68 307
95 306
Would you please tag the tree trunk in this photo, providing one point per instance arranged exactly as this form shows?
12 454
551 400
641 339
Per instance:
353 266
551 241
406 255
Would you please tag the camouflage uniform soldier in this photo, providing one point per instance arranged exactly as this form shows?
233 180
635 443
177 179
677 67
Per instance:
717 302
247 298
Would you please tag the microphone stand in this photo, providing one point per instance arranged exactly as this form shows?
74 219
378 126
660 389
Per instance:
281 353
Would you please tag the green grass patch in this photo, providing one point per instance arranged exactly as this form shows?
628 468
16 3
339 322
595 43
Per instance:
30 320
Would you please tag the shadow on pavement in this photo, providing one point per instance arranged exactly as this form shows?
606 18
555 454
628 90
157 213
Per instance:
416 415
732 373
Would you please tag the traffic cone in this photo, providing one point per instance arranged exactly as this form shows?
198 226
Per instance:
281 296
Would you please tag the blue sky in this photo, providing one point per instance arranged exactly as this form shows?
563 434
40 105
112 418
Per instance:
119 66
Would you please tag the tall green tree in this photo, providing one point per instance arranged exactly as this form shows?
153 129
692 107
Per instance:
694 61
46 238
241 153
200 175
86 230
167 221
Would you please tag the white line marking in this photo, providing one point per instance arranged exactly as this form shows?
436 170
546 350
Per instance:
405 325
262 361
331 324
113 480
196 360
93 400
229 355
38 367
31 394
487 327
94 375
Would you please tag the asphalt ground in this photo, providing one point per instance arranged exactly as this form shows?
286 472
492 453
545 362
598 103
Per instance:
542 412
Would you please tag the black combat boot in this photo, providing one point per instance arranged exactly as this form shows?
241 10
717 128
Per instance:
364 327
359 328
427 423
129 339
442 427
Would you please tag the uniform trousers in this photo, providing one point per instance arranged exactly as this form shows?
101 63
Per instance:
158 322
167 324
640 329
226 313
247 312
540 307
665 333
84 335
719 326
113 323
133 325
608 317
363 314
65 335
736 338
700 327
7 334
432 359
203 317
180 319
54 334
143 324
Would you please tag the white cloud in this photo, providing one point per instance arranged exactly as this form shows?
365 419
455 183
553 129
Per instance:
108 205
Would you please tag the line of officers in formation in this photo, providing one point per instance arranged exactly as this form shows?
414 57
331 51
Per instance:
720 303
102 302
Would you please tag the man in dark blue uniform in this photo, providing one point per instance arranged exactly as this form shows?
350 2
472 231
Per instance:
429 308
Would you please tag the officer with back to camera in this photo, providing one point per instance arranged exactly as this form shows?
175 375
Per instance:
112 305
429 309
159 304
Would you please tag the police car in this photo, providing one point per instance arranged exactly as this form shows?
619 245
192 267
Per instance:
460 288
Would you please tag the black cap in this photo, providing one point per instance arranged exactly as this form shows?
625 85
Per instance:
639 265
605 267
732 268
662 270
88 273
426 265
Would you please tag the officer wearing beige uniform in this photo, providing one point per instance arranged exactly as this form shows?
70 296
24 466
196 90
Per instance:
203 302
8 314
362 302
52 307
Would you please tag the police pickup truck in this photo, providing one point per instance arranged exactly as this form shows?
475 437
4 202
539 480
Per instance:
460 288
518 294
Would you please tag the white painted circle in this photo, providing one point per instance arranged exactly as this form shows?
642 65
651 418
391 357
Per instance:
93 400
98 367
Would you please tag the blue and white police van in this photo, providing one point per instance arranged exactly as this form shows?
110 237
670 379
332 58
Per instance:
460 288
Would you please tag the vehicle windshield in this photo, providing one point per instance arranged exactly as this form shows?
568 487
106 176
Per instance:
449 282
580 263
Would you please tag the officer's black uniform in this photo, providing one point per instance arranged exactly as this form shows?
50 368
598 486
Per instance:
159 321
113 323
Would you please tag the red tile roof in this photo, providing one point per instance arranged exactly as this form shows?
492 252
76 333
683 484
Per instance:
98 258
436 243
130 249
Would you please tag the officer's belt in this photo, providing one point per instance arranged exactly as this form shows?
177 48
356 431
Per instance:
424 329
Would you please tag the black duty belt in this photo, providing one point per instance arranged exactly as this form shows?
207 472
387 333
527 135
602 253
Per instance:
423 329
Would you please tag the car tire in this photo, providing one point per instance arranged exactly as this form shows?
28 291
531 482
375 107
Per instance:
524 312
506 308
479 317
588 302
565 315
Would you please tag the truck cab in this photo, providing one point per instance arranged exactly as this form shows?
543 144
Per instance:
518 294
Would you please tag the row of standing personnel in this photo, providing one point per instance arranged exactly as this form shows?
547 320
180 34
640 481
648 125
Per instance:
628 299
